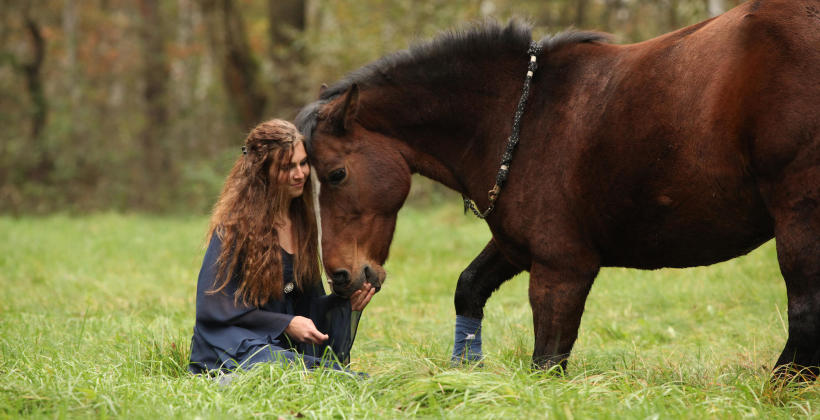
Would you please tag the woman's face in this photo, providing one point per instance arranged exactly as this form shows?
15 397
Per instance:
296 172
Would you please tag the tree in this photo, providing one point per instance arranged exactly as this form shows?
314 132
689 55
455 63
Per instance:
715 7
673 14
33 73
240 71
581 11
287 24
155 74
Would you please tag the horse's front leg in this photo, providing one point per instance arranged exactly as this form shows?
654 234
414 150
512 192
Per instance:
475 285
557 297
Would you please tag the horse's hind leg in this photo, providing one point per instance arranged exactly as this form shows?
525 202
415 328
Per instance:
475 285
796 210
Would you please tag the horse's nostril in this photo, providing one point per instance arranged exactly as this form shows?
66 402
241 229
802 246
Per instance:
341 277
371 277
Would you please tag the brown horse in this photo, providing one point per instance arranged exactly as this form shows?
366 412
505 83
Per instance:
688 149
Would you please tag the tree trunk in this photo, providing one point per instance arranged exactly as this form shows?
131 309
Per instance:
239 68
182 70
32 71
581 13
611 9
70 31
156 163
287 23
715 7
673 15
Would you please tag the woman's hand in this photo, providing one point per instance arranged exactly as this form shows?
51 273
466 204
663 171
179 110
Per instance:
360 298
303 330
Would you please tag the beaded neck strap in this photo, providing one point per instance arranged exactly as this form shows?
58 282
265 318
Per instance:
512 141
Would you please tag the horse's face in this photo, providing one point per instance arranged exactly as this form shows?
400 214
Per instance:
364 182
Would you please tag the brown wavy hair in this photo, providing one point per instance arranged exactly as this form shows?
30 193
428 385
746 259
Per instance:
253 198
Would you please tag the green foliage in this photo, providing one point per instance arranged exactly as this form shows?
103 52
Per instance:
96 315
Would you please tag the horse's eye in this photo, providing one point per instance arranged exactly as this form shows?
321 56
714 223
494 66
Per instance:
336 176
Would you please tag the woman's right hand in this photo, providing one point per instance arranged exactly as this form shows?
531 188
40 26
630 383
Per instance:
361 297
303 330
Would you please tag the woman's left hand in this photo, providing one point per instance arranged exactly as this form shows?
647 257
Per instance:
360 298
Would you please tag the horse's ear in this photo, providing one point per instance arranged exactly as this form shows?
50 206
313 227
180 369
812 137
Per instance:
322 89
343 116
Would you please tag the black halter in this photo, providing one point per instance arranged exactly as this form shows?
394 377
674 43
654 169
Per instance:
504 170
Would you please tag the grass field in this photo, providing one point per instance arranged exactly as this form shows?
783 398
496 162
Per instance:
96 314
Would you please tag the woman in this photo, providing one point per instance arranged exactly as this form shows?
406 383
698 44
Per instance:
259 295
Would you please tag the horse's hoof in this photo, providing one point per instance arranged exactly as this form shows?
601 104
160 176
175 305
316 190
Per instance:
792 373
555 365
467 359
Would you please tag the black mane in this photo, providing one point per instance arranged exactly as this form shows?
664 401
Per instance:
486 38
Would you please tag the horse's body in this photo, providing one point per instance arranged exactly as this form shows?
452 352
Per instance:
688 149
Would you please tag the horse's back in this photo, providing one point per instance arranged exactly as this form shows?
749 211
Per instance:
687 127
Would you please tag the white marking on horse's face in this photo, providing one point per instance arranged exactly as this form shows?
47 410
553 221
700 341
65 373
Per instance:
317 185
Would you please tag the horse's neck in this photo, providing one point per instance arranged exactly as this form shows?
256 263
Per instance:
453 132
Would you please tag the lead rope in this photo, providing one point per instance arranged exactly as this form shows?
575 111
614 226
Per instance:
512 141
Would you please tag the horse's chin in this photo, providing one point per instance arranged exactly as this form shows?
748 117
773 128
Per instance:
347 292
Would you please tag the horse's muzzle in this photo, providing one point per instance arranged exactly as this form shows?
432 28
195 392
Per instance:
344 284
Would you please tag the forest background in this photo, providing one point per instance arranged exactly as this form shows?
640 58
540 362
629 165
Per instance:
141 105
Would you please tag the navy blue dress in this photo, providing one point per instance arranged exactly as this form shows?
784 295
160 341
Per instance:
229 336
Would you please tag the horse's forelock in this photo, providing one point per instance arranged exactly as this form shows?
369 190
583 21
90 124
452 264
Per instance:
306 121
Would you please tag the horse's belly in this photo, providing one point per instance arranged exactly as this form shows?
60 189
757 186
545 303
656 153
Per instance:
700 232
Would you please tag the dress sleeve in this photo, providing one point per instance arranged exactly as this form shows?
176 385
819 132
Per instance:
220 308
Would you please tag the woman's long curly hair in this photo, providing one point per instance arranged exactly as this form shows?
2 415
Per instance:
253 200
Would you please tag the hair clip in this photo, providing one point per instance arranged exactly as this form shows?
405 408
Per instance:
244 150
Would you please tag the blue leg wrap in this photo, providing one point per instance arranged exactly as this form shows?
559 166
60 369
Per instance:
467 344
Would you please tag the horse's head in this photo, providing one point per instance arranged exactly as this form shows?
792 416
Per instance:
364 181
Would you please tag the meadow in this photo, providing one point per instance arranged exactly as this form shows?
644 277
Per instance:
96 314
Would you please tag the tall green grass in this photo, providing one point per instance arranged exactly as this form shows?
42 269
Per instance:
96 314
